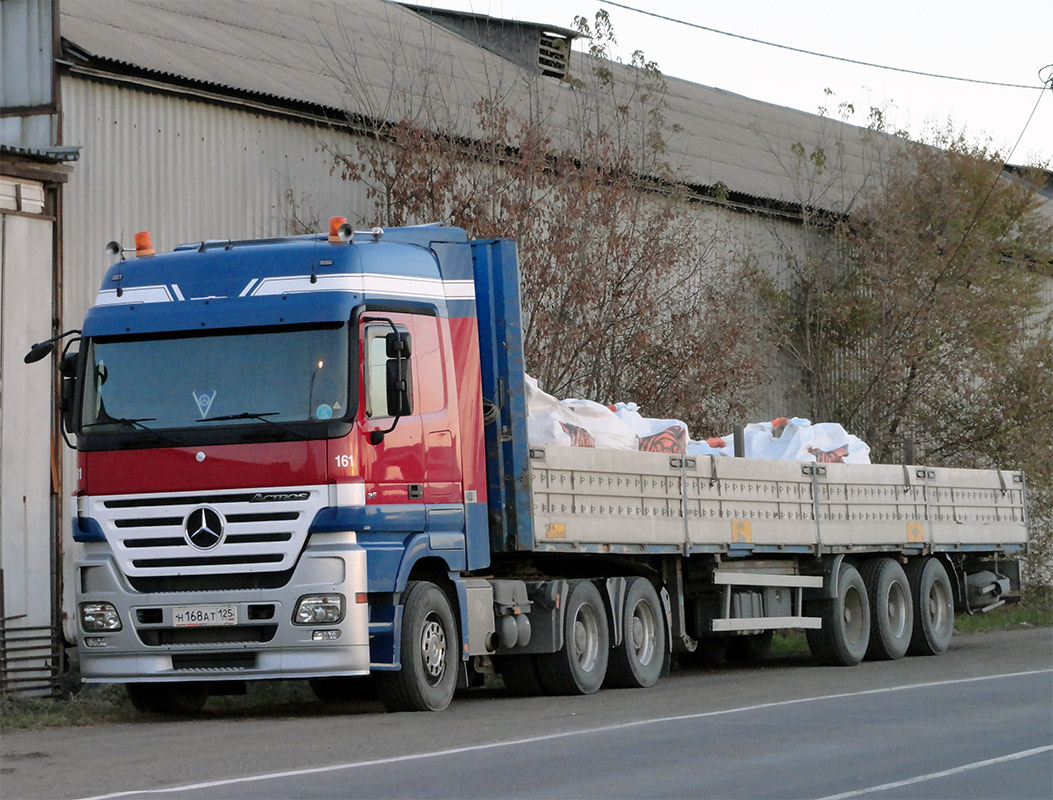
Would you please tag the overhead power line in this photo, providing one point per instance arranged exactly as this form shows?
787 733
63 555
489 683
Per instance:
814 53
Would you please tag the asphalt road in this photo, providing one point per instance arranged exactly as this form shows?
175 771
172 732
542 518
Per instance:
976 722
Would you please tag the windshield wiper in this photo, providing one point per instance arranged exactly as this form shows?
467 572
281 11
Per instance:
136 423
261 416
243 415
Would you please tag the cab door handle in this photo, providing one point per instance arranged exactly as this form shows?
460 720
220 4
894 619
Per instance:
416 491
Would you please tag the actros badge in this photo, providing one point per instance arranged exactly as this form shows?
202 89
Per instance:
204 528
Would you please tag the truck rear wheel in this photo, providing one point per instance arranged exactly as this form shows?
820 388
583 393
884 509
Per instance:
637 661
891 610
930 589
845 635
430 646
581 665
183 697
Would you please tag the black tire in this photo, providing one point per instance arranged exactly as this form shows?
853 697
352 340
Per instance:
184 697
581 665
430 649
845 635
637 662
749 649
709 653
343 690
520 675
891 609
933 598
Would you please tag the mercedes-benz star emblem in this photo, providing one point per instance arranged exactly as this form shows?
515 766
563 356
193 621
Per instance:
204 528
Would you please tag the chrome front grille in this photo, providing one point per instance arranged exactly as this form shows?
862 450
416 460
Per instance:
263 530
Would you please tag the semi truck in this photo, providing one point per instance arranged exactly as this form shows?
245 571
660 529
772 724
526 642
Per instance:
307 458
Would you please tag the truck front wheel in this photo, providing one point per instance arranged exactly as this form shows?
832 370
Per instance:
430 646
581 665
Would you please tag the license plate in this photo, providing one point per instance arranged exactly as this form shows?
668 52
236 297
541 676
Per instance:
204 616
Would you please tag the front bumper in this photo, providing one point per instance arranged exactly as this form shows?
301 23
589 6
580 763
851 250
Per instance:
265 644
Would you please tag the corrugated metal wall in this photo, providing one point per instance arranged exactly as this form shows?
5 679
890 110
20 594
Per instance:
26 72
186 170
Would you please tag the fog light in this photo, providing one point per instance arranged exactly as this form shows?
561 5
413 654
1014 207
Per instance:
325 636
96 641
314 609
99 617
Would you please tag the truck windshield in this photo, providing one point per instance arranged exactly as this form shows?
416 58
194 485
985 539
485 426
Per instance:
236 378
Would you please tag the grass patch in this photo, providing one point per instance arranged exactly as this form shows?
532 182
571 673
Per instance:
1035 610
97 704
789 643
90 706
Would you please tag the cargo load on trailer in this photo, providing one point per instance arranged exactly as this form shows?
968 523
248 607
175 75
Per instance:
621 426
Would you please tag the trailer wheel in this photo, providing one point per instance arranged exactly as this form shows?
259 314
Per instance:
429 642
843 639
580 666
891 610
930 589
637 661
184 697
749 649
520 675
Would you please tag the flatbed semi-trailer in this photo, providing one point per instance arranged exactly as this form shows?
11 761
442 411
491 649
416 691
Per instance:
308 458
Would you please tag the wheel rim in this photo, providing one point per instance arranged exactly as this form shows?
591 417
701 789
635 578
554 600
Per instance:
641 636
897 610
852 615
586 638
433 649
938 605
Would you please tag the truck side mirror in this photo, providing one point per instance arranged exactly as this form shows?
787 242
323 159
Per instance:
397 344
39 351
42 349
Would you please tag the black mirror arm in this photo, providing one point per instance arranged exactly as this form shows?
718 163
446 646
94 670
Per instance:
376 436
42 349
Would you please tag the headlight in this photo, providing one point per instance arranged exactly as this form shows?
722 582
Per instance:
314 609
99 617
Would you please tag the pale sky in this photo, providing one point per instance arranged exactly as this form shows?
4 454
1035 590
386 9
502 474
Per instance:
1008 41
